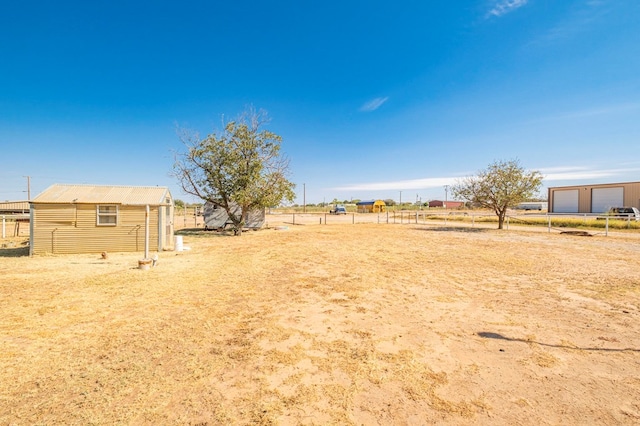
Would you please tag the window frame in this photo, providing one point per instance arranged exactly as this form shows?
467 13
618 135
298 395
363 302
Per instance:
107 214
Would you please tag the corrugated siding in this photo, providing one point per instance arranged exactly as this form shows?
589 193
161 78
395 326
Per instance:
584 201
102 194
73 229
15 206
632 195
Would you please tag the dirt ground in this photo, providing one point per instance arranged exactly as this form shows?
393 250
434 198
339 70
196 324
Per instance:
365 324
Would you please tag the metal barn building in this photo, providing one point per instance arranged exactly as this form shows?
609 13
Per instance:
100 218
371 206
597 198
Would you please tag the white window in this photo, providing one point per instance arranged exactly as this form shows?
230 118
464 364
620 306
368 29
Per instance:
107 215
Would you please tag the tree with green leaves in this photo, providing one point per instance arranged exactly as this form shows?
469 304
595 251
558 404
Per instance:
238 170
500 186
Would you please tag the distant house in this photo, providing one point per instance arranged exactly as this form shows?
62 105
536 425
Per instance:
100 218
446 204
371 206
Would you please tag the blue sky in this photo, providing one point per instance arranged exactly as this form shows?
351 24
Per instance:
372 98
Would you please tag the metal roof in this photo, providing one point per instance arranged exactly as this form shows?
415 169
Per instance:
14 206
104 194
367 202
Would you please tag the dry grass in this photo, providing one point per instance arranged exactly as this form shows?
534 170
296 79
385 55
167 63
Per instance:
341 324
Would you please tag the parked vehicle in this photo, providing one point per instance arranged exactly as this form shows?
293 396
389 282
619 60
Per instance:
338 209
532 205
631 213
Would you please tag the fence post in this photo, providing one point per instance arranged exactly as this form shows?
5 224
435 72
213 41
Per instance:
606 227
325 218
353 218
549 217
473 220
507 223
4 232
293 220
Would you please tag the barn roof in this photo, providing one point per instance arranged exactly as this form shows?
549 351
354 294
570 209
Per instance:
103 194
369 202
14 206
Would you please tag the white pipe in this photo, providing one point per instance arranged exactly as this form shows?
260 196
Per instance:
146 232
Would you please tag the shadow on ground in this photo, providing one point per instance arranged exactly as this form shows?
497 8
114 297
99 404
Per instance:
20 251
491 335
455 229
200 232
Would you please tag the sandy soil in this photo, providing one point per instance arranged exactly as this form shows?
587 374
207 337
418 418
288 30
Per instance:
366 324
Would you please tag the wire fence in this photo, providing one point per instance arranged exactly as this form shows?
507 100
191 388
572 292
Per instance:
18 225
564 223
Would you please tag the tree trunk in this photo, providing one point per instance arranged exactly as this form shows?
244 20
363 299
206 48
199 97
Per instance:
501 216
238 223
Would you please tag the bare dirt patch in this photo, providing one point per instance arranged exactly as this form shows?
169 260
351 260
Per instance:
340 324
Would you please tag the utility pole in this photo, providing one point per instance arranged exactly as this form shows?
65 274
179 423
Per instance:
400 200
28 187
446 192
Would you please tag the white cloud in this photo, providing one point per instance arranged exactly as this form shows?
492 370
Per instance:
579 175
605 110
373 104
399 185
584 173
503 7
579 20
558 173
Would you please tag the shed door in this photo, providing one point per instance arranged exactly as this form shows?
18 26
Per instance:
565 201
168 225
602 199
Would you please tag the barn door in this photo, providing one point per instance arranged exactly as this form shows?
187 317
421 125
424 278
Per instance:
602 199
565 201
